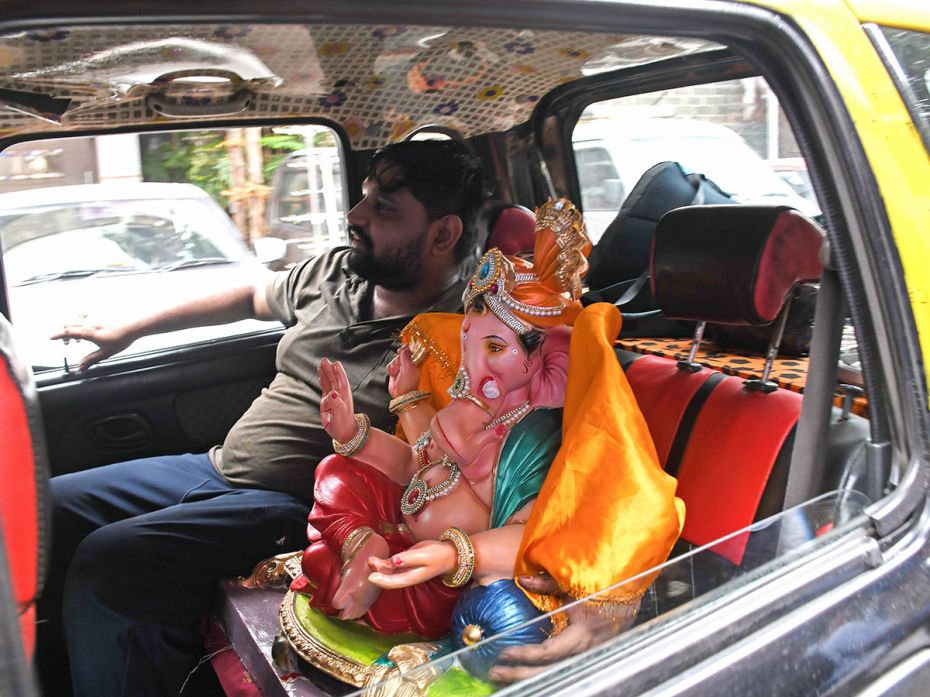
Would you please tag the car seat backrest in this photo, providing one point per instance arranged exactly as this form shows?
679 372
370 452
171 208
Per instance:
663 393
23 485
725 444
622 253
728 458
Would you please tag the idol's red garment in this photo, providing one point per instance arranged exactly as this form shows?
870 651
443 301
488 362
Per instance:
348 495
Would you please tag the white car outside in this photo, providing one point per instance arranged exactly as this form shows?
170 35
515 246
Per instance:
612 154
123 249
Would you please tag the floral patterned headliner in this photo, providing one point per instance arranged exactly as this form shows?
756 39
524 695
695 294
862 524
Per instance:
378 82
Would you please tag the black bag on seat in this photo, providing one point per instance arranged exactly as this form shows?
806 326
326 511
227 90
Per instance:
641 316
623 252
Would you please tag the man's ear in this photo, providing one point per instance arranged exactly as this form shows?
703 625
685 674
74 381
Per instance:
447 231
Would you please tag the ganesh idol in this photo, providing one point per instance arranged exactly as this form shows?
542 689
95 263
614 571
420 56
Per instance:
399 529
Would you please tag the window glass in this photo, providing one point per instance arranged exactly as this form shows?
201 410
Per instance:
699 572
601 186
732 132
103 229
307 205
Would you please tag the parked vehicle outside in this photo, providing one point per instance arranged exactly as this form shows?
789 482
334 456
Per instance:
307 207
104 251
793 171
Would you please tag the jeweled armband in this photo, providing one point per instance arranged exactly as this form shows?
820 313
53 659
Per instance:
350 448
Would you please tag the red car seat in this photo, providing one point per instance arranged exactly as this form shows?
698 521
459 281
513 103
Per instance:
23 490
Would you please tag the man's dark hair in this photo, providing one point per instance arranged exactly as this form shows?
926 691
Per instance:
443 175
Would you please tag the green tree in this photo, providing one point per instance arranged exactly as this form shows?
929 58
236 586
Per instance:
201 158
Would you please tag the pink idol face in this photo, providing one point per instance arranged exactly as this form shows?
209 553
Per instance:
495 360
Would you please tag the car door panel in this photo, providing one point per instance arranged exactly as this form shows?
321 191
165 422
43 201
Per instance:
184 401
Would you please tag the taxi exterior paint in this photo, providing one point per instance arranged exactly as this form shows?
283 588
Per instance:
904 14
896 152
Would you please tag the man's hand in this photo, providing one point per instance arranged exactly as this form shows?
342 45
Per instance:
110 340
587 626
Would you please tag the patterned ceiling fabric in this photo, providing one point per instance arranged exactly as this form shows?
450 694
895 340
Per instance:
379 82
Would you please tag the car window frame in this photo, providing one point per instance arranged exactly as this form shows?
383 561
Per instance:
852 205
558 114
854 198
762 52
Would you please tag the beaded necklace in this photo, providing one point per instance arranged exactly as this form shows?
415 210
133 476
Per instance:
509 417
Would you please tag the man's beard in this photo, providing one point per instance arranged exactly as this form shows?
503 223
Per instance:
398 269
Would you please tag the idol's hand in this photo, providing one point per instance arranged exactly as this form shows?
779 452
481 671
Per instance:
403 373
587 626
336 408
356 593
423 561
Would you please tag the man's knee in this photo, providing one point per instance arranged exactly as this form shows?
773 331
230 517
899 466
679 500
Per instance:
66 494
105 556
123 571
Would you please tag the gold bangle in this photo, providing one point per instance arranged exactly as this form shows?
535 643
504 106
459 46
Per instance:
354 542
466 557
407 401
350 448
404 408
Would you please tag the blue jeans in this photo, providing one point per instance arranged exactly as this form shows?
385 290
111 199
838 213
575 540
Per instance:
137 549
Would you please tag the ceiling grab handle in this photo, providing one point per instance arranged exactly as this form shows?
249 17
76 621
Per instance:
208 92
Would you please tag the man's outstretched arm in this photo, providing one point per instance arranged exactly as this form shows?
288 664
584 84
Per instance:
247 301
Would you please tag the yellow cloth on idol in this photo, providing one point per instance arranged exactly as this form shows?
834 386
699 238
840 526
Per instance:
607 511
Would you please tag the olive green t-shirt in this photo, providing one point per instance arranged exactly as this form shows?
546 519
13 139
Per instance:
279 440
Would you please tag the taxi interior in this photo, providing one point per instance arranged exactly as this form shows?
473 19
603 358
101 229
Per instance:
781 459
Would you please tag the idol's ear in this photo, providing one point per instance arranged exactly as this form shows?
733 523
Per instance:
548 388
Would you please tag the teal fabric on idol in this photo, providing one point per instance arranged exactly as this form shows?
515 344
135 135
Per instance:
530 448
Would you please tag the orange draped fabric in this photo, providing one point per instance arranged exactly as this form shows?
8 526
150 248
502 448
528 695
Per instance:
607 511
440 334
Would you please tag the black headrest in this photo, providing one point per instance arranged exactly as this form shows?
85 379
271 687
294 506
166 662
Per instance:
732 264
